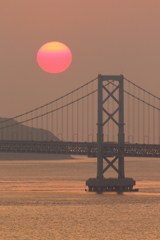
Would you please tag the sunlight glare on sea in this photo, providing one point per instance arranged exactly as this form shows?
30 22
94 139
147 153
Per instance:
44 200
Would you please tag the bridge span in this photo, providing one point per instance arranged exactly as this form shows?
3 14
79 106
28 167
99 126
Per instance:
81 148
109 117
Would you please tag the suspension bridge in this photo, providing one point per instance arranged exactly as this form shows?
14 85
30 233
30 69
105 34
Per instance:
109 117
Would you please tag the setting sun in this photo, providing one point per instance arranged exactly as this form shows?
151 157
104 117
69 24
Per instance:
54 57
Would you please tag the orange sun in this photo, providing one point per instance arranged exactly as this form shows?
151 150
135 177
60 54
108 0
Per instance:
54 57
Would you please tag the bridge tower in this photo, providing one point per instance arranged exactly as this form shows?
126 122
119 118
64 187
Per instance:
101 184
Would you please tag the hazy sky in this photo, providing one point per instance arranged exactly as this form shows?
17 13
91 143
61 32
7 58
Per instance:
105 36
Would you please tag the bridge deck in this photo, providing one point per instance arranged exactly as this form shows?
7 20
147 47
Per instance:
80 148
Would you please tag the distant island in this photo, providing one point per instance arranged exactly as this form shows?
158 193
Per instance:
23 133
18 131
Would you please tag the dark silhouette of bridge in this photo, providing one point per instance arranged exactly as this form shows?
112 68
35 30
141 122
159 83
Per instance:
109 117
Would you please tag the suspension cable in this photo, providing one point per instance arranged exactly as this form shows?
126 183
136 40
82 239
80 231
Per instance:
141 88
51 101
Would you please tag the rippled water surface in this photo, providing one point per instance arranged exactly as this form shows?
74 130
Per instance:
46 200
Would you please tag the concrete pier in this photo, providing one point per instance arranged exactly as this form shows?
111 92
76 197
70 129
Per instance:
111 185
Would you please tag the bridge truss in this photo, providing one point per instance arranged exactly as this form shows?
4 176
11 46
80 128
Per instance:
80 148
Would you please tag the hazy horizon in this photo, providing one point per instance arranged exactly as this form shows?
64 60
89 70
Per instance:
106 37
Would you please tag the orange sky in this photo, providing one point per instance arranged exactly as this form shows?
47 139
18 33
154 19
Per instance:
105 36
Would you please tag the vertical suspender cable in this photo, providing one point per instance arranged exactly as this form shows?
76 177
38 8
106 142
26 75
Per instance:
13 129
154 121
14 134
10 131
2 130
16 130
11 134
113 116
82 115
21 130
1 133
31 128
149 119
92 113
128 112
144 118
159 121
42 122
52 120
52 124
26 127
36 125
108 132
72 120
87 115
7 128
77 116
67 118
5 131
57 118
46 122
62 121
133 116
138 102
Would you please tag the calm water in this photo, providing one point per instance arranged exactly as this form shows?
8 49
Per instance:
46 200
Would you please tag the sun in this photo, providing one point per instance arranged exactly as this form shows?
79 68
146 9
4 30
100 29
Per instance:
54 57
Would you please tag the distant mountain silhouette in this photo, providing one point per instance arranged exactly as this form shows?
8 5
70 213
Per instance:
23 132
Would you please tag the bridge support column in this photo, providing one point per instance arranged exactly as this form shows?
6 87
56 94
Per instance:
100 132
121 128
101 184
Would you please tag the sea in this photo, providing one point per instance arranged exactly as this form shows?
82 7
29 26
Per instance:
47 200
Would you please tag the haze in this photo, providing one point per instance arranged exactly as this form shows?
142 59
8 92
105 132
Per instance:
107 37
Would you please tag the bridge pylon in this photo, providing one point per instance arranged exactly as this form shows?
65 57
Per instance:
101 184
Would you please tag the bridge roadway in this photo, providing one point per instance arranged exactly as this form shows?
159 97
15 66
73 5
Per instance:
80 148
